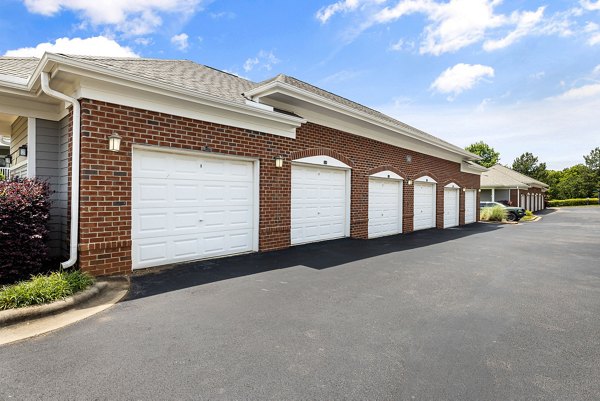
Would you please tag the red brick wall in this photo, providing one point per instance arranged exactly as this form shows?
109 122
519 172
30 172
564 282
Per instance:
105 234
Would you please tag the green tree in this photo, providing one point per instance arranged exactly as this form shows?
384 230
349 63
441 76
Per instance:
529 165
489 156
575 182
592 161
552 179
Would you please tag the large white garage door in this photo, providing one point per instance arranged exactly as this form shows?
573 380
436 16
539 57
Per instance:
187 207
385 207
318 204
470 206
424 216
451 198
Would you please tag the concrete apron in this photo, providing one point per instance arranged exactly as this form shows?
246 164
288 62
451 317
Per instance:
108 293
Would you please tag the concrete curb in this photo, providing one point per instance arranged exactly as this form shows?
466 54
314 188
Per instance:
19 315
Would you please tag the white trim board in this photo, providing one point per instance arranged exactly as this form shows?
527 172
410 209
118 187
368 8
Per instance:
325 161
387 174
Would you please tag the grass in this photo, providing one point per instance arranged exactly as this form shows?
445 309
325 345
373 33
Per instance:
42 289
496 213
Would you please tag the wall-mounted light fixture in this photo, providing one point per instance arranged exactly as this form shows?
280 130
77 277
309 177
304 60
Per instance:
279 161
464 189
408 158
114 142
23 150
410 182
479 190
8 160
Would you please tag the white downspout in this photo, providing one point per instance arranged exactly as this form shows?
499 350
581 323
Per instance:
74 235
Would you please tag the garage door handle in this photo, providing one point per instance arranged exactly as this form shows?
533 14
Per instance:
200 221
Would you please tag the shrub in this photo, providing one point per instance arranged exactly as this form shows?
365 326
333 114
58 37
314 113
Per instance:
573 202
495 213
24 214
528 213
42 289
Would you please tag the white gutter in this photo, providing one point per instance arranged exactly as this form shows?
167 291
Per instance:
45 80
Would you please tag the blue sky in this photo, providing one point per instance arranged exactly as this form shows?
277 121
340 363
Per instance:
519 75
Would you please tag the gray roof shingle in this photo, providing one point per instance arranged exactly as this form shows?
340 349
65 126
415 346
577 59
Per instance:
358 107
205 80
184 74
18 67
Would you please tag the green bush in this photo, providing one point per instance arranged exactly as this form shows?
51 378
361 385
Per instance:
573 202
496 213
41 289
528 213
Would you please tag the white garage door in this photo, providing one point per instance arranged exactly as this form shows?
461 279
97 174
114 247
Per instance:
318 204
470 206
424 216
451 199
385 207
187 207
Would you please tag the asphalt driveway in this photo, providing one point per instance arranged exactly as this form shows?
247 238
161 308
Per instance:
482 312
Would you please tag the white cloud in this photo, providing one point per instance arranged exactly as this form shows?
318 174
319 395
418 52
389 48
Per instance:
594 39
144 41
180 41
596 70
263 60
461 77
454 24
591 90
402 44
95 46
559 131
134 17
590 5
525 24
325 13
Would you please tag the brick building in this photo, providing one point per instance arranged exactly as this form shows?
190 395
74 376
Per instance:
175 161
502 184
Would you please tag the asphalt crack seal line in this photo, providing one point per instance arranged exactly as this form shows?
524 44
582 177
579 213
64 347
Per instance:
21 323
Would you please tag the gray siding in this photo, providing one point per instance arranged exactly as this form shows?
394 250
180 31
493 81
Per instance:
18 137
49 167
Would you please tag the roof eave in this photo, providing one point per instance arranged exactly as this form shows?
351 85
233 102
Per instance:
291 90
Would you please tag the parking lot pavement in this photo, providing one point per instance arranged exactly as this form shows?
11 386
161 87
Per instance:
480 312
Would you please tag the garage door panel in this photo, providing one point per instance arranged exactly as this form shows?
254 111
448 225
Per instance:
451 198
470 200
384 207
187 207
424 206
318 210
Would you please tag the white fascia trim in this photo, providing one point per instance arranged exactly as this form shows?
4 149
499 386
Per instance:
324 161
14 81
387 174
131 81
182 107
426 179
452 185
290 90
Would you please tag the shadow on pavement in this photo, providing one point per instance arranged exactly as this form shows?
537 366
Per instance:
319 255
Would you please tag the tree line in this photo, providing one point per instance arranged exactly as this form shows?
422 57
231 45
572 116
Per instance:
578 181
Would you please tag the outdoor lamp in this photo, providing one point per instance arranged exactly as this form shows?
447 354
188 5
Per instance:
8 159
114 142
410 182
279 161
23 150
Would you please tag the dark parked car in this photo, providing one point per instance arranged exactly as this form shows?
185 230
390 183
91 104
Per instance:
512 213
